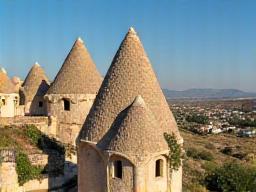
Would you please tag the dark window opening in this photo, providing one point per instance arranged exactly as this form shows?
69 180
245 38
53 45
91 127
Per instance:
3 102
159 168
118 169
40 104
66 105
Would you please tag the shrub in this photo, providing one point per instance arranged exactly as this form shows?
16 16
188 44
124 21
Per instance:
200 119
33 134
205 155
209 166
175 151
195 187
25 170
227 150
196 154
232 177
210 146
192 152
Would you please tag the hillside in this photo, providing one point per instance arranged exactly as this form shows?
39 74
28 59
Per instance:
208 94
29 145
204 153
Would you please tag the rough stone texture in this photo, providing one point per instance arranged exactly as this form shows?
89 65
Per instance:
8 96
77 81
126 183
44 124
130 74
32 108
92 172
32 91
38 159
17 83
69 123
9 107
176 180
78 74
136 133
6 86
36 83
8 175
121 128
154 183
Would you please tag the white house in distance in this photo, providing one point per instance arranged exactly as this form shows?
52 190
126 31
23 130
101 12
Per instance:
8 96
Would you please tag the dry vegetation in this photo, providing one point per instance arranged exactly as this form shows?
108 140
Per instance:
221 148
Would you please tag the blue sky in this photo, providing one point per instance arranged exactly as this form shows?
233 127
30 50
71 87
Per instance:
191 43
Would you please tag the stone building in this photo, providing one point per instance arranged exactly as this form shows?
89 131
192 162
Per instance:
33 90
72 93
121 145
8 175
8 96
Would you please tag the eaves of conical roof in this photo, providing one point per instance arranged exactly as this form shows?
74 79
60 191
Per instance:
129 75
78 74
36 83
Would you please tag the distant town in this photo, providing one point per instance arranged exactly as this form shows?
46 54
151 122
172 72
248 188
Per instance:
214 117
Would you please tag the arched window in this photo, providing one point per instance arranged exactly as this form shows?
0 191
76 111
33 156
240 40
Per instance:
159 168
118 169
66 104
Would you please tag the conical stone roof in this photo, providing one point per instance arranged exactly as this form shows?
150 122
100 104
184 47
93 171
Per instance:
129 75
137 129
78 74
6 86
36 83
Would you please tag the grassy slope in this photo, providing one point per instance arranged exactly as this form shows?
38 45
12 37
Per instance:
194 168
16 138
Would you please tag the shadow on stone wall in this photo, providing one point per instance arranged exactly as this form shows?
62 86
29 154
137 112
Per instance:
62 174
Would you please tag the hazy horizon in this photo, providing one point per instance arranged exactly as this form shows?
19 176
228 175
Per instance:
191 44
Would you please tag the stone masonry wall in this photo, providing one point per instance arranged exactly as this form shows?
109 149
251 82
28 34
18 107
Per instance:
44 124
92 170
126 183
8 175
38 159
69 123
33 108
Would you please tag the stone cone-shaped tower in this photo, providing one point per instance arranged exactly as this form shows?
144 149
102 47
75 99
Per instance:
122 141
78 74
129 75
9 97
72 93
136 128
6 86
33 90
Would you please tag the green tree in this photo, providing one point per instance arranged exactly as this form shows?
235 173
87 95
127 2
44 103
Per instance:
200 119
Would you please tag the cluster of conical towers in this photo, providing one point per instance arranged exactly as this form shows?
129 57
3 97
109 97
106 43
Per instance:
121 144
118 123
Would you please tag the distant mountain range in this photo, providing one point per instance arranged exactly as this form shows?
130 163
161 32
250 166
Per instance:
205 94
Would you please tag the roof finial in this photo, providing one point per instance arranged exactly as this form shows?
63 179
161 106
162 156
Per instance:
139 101
37 64
131 30
80 39
3 70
